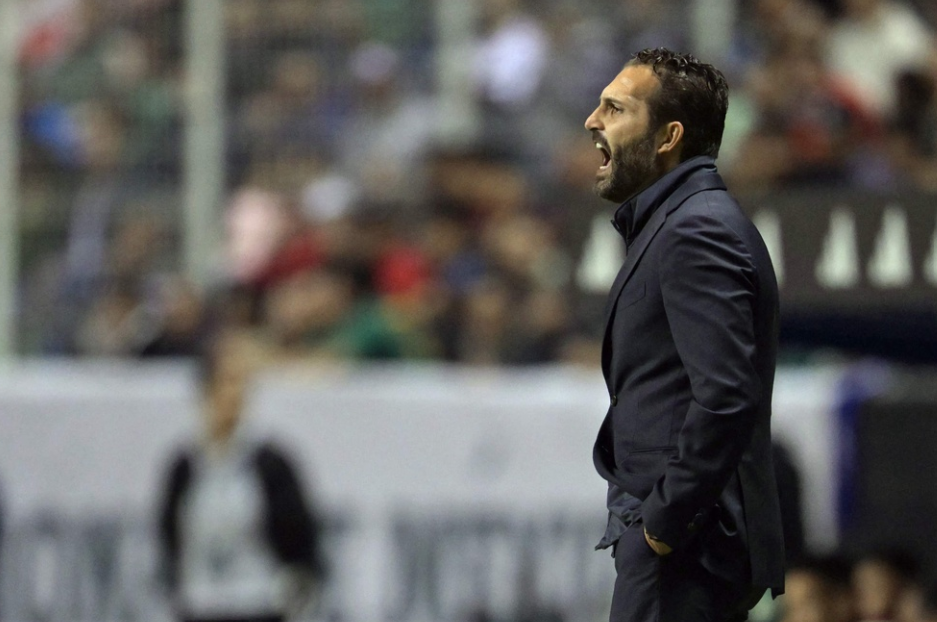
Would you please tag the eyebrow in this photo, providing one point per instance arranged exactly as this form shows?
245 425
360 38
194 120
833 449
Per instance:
605 99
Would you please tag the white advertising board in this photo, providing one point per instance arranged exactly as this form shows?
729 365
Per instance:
447 491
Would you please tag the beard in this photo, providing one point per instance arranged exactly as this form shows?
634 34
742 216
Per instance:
632 168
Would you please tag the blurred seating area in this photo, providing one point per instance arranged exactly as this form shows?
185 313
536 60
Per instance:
352 229
879 584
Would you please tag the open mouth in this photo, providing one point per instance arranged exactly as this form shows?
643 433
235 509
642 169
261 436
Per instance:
606 155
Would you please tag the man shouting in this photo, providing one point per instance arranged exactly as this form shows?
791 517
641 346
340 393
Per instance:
688 356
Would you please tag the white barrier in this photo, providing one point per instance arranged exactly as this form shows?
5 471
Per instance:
448 490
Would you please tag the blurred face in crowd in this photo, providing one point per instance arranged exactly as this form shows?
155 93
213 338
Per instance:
183 308
878 589
309 305
809 598
101 134
622 131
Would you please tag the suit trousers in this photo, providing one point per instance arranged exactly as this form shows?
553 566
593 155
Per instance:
672 588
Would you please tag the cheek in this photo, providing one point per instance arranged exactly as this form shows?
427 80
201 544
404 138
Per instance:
628 135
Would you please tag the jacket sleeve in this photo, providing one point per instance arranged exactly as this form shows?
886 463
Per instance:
176 484
292 528
709 285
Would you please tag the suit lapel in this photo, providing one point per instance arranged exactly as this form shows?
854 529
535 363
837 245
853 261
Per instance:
708 181
634 254
631 261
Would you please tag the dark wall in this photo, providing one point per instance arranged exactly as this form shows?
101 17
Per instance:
896 477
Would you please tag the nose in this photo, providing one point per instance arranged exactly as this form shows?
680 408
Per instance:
592 122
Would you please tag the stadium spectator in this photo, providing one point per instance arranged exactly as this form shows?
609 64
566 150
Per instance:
543 328
115 317
809 128
582 49
766 25
292 112
116 324
511 55
256 221
880 579
913 128
479 328
330 105
113 228
300 249
509 67
331 313
102 144
392 128
818 589
644 24
926 608
182 326
524 249
872 44
87 50
398 23
239 540
911 605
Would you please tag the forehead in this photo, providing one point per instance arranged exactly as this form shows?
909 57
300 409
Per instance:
634 81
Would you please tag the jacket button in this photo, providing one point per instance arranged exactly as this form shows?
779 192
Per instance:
614 400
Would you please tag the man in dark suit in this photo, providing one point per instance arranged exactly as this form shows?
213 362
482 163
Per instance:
688 357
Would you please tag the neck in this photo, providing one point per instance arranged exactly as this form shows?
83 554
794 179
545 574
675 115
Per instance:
220 437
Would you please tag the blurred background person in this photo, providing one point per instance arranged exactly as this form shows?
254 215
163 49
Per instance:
182 326
810 129
880 580
872 43
817 588
912 127
393 127
509 64
926 608
239 539
333 108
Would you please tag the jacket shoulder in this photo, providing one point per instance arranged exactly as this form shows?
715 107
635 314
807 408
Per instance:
712 210
708 201
270 458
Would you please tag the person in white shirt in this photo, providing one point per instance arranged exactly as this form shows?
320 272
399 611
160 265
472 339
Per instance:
239 541
872 44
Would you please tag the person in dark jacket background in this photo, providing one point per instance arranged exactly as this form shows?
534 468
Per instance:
689 357
239 540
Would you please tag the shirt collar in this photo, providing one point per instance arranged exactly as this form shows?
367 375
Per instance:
631 216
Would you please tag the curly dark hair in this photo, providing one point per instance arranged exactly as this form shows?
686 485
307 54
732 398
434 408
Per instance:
693 93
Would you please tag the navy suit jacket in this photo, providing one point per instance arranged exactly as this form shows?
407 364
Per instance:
689 358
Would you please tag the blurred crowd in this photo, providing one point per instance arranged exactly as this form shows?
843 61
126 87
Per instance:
351 229
875 586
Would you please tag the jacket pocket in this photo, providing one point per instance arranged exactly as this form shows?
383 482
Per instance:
644 450
642 468
631 295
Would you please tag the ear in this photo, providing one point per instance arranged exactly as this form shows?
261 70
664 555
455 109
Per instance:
671 136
